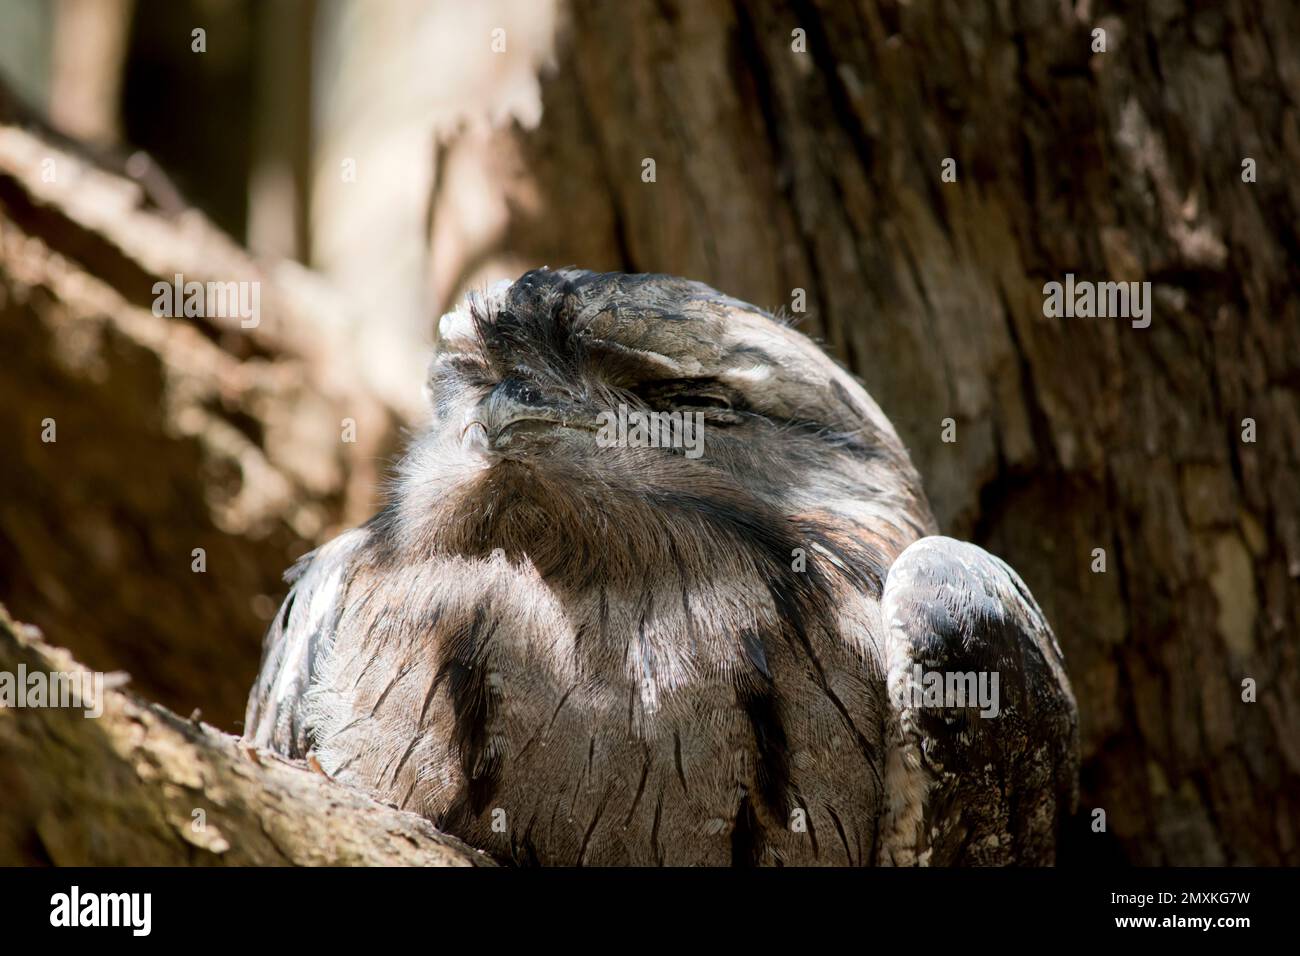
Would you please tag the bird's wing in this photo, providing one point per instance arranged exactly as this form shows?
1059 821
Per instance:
301 634
989 782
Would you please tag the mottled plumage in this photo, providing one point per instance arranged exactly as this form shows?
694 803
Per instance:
567 653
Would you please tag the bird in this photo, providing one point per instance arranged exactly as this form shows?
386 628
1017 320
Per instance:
731 636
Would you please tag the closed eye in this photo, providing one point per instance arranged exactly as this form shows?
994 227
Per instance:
704 400
702 394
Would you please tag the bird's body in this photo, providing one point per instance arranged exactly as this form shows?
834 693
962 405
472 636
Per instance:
571 651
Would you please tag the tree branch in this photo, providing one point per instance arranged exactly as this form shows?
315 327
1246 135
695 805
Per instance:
139 785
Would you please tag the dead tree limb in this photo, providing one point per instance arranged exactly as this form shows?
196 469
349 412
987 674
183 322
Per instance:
163 469
140 786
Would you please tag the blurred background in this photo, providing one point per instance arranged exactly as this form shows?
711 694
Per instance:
367 162
307 130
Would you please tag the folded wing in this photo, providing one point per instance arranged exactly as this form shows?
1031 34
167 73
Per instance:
302 633
982 763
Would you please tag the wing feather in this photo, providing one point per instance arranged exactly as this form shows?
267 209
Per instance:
301 634
988 782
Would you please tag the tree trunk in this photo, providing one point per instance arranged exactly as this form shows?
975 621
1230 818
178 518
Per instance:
798 151
161 472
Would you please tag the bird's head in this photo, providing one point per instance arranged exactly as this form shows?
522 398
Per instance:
609 425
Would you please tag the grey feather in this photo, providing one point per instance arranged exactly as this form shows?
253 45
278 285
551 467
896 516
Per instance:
974 784
299 637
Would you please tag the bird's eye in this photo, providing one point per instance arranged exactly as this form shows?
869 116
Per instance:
705 400
696 394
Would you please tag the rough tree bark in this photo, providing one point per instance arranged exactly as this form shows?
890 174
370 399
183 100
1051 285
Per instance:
139 786
171 434
778 170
